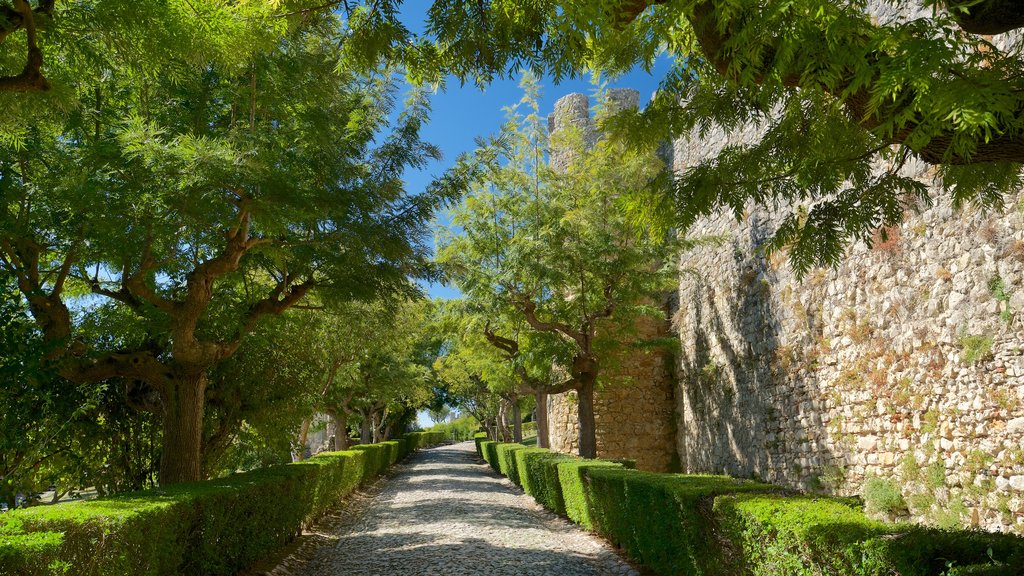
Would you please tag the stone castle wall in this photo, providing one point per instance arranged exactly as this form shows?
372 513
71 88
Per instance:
905 362
634 411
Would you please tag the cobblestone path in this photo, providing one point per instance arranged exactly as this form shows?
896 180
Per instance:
442 513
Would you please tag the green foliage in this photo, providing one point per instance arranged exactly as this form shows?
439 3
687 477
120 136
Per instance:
506 453
34 554
206 528
478 439
459 430
378 457
572 476
997 286
538 475
882 495
975 347
831 88
662 520
802 535
425 439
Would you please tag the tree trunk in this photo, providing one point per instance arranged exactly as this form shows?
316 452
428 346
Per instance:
341 430
588 437
542 419
517 422
300 451
375 423
181 458
365 430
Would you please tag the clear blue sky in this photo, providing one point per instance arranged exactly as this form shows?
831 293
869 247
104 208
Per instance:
461 114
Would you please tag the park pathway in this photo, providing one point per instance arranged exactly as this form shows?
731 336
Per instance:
443 513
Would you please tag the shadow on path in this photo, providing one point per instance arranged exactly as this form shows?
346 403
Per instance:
442 512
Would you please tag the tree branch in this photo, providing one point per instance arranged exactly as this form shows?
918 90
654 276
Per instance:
510 347
30 79
529 310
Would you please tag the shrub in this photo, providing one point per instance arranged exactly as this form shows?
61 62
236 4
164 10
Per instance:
477 439
576 488
490 452
772 535
663 520
507 461
34 554
376 460
884 496
215 527
426 439
538 474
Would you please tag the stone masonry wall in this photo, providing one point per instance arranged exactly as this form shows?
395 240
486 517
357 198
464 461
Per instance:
633 406
633 409
905 362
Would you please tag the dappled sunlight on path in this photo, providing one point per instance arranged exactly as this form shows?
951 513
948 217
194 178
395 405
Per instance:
443 513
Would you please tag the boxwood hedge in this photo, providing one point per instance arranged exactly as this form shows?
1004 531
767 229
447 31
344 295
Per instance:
214 527
507 460
813 535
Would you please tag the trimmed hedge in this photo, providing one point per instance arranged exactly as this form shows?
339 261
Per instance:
35 554
477 439
576 487
718 525
507 460
803 534
425 439
663 520
538 474
489 452
214 527
377 459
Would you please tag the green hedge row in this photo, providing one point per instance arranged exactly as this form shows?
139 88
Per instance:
718 525
213 527
479 438
425 439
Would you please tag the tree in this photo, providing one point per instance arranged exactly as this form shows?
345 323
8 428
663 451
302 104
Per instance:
228 196
559 248
842 99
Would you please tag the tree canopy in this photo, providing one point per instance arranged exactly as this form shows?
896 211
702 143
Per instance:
842 97
226 195
556 248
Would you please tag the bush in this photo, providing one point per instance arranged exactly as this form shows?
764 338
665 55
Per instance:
35 554
477 439
215 527
490 454
507 461
458 430
576 488
377 460
425 439
883 496
663 520
538 475
804 535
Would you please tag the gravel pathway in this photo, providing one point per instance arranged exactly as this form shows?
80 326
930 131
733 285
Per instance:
443 513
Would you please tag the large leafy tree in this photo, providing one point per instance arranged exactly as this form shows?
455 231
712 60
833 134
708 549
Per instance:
843 99
559 248
196 205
